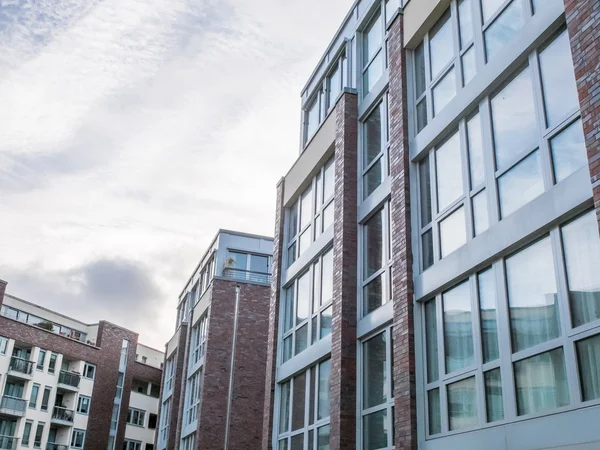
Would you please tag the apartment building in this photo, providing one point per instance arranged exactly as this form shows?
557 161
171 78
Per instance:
213 384
436 249
66 384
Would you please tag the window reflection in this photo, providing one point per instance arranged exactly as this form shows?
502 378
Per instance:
449 172
458 329
462 404
504 28
521 184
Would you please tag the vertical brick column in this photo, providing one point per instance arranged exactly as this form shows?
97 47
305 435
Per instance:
271 363
342 391
402 282
583 23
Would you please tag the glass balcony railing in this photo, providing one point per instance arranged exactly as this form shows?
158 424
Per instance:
21 365
246 275
69 378
63 414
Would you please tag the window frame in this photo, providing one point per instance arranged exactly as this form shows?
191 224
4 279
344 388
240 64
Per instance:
86 369
81 399
136 417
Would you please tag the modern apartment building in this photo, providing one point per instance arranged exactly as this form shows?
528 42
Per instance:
66 384
213 384
436 250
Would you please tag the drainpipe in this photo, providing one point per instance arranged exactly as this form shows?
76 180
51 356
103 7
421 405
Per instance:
231 369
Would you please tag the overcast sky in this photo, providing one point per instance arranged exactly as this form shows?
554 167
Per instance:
132 130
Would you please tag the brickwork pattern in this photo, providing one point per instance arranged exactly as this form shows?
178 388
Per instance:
402 281
249 367
583 24
271 361
342 390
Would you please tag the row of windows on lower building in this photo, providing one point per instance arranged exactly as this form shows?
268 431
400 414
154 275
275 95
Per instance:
8 429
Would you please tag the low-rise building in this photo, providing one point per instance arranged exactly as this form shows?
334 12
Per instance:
67 384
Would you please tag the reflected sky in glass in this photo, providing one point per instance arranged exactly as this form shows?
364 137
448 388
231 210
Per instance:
521 184
504 28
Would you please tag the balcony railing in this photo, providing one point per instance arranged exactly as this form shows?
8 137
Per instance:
69 378
246 275
63 414
13 405
21 365
8 442
53 446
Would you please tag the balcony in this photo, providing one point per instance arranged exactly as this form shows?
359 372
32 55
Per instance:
68 380
12 406
246 275
20 367
8 442
53 446
62 416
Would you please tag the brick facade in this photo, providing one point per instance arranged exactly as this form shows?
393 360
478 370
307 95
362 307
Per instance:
271 362
105 356
342 391
247 396
402 281
583 23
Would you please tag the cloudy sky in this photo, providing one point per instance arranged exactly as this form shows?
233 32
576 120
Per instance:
131 130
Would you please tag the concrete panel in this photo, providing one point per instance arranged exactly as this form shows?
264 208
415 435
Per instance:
310 161
419 17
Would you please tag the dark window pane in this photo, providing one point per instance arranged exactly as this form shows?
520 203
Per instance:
373 244
588 353
458 328
493 396
373 296
435 421
374 371
372 135
298 401
431 341
375 430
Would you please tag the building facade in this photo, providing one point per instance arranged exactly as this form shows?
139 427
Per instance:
435 281
213 383
66 384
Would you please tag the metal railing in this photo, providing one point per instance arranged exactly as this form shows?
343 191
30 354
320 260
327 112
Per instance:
69 378
21 365
53 446
13 404
247 275
8 442
63 414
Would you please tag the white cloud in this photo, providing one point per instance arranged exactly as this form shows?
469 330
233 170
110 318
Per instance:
135 129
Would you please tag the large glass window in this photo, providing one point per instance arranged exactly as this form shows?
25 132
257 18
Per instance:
307 307
372 53
304 409
374 149
526 154
529 307
312 214
377 392
376 260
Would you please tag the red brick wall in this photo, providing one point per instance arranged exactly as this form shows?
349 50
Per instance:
402 282
342 391
249 367
271 361
583 23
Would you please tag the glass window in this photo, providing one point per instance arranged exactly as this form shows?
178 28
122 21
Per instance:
420 69
372 54
476 164
462 404
425 191
441 45
306 210
375 430
532 296
41 360
373 296
39 432
327 278
77 439
458 329
303 298
83 404
374 371
521 184
27 433
372 178
489 324
444 92
431 341
469 66
489 8
541 383
301 339
35 391
326 323
373 135
259 264
373 244
481 219
323 438
558 80
334 85
514 119
504 28
568 151
465 20
288 319
298 401
238 260
421 115
328 180
3 345
435 421
449 172
427 249
582 258
284 408
323 394
493 396
453 233
588 354
312 117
